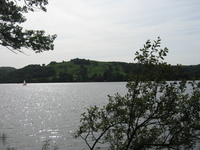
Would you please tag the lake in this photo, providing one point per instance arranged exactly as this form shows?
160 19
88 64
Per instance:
35 112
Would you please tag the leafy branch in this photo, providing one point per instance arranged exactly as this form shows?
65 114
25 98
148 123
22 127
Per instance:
154 114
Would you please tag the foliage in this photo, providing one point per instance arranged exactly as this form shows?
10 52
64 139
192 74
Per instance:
47 145
7 69
31 73
80 61
3 138
154 114
12 34
12 148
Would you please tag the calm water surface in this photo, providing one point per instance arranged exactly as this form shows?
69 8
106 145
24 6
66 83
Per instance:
30 114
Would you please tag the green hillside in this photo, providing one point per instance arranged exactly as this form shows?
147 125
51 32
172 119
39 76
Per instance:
4 72
7 69
88 70
82 70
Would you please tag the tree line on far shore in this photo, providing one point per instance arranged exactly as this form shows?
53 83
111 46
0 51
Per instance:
82 70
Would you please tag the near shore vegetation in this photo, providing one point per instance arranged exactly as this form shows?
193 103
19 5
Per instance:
154 114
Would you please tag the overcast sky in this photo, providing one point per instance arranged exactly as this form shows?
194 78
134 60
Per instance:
113 30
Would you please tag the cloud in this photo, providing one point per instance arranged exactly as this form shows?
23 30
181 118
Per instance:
114 29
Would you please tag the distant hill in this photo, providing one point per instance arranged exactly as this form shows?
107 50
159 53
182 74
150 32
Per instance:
4 71
82 70
88 70
7 69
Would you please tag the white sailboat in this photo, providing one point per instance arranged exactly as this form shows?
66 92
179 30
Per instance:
24 83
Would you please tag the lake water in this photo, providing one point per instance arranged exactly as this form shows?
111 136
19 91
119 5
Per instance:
35 112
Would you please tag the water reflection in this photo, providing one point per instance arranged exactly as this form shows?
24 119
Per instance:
3 140
36 112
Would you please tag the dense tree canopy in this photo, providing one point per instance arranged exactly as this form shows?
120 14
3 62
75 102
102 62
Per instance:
13 36
154 114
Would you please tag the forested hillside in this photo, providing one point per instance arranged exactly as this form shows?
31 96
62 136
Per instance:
4 71
82 70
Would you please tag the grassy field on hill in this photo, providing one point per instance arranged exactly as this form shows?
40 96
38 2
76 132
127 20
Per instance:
87 69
